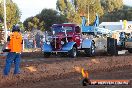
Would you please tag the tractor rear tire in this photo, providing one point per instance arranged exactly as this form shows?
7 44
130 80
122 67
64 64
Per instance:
112 46
73 52
47 54
90 51
130 50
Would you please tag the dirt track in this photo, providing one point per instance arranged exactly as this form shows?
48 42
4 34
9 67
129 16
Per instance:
65 72
73 80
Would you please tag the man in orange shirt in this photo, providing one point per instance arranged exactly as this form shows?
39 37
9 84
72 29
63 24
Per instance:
14 42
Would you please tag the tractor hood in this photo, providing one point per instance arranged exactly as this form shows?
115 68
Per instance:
63 35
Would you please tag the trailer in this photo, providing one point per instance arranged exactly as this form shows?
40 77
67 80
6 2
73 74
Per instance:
102 37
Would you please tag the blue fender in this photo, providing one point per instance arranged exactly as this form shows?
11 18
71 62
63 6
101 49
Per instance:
46 47
86 43
68 46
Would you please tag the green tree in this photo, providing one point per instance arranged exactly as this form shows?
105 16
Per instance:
12 12
41 26
115 10
121 14
33 23
1 25
25 23
111 5
30 25
75 8
50 17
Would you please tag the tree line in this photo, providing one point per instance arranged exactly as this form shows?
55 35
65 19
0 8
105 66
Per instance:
67 11
44 20
13 13
72 10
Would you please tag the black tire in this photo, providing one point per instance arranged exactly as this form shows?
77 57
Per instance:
47 54
130 50
90 51
112 46
73 52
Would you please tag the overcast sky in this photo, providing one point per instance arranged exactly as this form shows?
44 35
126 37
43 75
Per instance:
32 7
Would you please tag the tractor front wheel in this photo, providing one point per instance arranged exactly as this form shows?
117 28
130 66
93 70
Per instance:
73 52
90 51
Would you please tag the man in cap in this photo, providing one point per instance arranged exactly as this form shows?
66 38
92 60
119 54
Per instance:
14 44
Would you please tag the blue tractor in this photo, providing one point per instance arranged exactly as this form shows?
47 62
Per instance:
100 36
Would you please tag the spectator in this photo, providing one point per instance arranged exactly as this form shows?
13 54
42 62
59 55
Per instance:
37 39
14 43
25 40
31 42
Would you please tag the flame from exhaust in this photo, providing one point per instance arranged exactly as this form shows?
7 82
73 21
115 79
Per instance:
31 69
84 73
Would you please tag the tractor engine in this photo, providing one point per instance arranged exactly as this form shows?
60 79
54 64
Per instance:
60 36
57 43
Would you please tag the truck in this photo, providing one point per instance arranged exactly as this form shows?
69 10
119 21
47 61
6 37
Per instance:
67 39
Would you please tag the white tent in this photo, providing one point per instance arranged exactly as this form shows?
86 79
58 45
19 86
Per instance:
112 25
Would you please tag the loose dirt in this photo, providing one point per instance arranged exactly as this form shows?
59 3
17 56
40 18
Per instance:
63 72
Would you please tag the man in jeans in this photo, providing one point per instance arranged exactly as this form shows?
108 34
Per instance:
14 43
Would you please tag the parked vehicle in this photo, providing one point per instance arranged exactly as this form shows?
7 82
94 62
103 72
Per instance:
125 41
